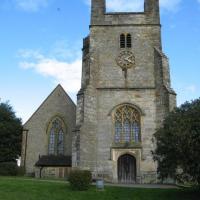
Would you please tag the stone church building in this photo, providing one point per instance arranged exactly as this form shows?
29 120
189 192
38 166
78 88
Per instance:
125 94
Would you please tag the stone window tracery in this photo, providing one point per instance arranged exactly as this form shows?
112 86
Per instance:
127 125
56 137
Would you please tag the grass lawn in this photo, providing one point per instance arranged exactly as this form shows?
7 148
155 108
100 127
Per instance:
19 189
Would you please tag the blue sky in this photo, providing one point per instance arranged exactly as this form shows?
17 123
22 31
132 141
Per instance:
41 40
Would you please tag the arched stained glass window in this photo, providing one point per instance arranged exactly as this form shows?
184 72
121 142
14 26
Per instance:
51 141
56 137
127 125
118 130
135 131
60 142
127 131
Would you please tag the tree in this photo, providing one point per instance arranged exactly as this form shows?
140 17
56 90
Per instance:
10 134
178 144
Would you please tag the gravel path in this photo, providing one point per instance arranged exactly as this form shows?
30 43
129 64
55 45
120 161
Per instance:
158 186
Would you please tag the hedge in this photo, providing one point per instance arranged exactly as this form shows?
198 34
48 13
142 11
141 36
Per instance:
8 168
80 179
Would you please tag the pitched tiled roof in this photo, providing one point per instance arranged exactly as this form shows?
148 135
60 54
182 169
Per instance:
54 161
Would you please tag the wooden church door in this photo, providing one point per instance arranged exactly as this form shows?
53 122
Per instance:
127 169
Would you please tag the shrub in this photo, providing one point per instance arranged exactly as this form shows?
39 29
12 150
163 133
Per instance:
20 171
80 179
8 168
177 144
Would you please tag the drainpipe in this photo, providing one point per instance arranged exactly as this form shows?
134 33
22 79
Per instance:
25 131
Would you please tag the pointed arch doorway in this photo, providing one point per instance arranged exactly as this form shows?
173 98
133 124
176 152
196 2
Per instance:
126 169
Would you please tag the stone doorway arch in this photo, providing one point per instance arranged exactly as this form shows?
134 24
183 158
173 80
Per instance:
126 167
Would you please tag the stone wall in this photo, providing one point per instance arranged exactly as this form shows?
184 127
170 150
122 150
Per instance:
57 104
53 172
146 87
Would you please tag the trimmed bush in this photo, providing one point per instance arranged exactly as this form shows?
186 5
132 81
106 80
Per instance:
80 179
8 168
20 171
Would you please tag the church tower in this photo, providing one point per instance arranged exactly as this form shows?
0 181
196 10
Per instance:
125 94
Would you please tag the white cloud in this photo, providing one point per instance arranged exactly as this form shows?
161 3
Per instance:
124 5
186 92
191 88
137 5
31 5
66 73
